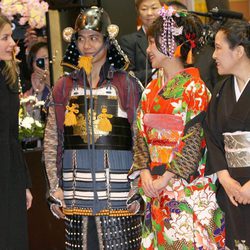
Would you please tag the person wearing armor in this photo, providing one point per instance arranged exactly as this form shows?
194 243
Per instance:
88 139
181 211
228 130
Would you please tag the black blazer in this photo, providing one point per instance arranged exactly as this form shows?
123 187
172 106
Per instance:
135 45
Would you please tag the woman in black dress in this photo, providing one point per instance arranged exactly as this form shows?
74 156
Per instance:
15 197
228 130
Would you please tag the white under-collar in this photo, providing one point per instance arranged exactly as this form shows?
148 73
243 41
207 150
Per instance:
143 28
237 90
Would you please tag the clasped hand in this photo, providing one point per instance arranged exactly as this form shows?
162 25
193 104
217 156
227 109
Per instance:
243 196
237 194
152 187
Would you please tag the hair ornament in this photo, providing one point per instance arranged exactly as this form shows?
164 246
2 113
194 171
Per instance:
177 31
190 39
170 30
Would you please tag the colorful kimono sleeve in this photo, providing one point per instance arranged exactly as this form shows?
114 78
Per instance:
141 155
50 149
186 162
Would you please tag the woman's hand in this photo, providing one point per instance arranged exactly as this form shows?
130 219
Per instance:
29 199
42 76
55 208
147 183
38 84
244 194
161 182
231 186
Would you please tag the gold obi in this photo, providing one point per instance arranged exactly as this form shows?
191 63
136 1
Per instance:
237 149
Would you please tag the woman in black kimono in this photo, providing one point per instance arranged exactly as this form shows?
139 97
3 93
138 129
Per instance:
228 130
15 197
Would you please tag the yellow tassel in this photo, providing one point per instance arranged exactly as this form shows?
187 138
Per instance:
177 52
190 57
70 117
85 62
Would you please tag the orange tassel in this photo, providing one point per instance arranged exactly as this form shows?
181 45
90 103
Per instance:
177 52
165 7
85 62
190 57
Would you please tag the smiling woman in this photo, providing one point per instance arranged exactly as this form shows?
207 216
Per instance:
228 130
14 180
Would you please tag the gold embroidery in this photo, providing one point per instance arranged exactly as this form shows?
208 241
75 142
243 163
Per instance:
104 124
81 129
70 116
101 125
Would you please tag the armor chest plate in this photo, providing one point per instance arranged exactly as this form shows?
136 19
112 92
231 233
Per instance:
96 118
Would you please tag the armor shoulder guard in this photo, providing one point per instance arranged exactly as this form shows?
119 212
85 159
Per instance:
62 89
132 74
129 76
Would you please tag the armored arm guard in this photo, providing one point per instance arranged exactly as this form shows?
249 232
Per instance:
50 149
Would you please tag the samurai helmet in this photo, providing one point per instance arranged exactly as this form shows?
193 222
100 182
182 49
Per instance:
94 18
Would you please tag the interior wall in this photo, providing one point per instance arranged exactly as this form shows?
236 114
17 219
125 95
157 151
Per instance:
122 13
241 6
221 4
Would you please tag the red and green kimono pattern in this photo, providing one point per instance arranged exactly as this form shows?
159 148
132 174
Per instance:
185 215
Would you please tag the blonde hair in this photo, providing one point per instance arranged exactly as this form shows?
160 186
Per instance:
10 68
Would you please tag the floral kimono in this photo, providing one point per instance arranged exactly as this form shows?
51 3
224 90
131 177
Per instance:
170 137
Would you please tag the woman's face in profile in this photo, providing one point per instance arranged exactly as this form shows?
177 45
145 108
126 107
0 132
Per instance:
149 11
156 58
225 57
7 44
